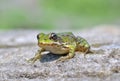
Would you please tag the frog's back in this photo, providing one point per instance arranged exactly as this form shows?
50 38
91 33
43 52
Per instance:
65 33
67 37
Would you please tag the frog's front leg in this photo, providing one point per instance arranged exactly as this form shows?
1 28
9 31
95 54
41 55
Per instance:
37 56
70 55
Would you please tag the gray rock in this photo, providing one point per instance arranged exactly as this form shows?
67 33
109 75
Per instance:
103 65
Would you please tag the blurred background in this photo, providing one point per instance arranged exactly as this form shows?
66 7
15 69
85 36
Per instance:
58 14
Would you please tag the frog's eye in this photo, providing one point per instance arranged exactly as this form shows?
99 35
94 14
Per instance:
53 36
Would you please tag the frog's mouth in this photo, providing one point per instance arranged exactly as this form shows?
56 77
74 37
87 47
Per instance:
51 44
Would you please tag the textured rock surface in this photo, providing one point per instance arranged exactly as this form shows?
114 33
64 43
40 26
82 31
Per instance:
103 65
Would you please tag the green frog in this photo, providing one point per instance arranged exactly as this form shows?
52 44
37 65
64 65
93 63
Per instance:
60 43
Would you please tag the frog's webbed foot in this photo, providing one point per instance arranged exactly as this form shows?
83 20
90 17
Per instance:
31 60
62 59
35 58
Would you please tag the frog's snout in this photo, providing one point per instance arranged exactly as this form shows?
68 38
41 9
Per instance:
37 36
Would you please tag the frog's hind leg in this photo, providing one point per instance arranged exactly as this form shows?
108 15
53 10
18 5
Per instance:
83 46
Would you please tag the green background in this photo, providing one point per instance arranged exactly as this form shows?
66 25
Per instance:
57 14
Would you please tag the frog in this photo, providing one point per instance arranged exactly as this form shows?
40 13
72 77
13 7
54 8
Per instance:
60 43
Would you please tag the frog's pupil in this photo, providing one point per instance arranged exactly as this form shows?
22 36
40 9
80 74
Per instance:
53 36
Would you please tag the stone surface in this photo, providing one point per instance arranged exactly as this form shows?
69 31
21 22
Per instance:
103 65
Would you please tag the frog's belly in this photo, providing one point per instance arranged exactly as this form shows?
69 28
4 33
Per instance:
56 49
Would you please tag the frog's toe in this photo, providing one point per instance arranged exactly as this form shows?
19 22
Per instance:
62 59
32 60
28 60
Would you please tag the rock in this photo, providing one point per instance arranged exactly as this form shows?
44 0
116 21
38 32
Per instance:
103 65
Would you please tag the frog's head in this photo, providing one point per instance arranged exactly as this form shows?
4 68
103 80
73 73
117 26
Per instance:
47 38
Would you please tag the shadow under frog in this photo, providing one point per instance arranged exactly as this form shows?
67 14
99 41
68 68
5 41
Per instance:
50 57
